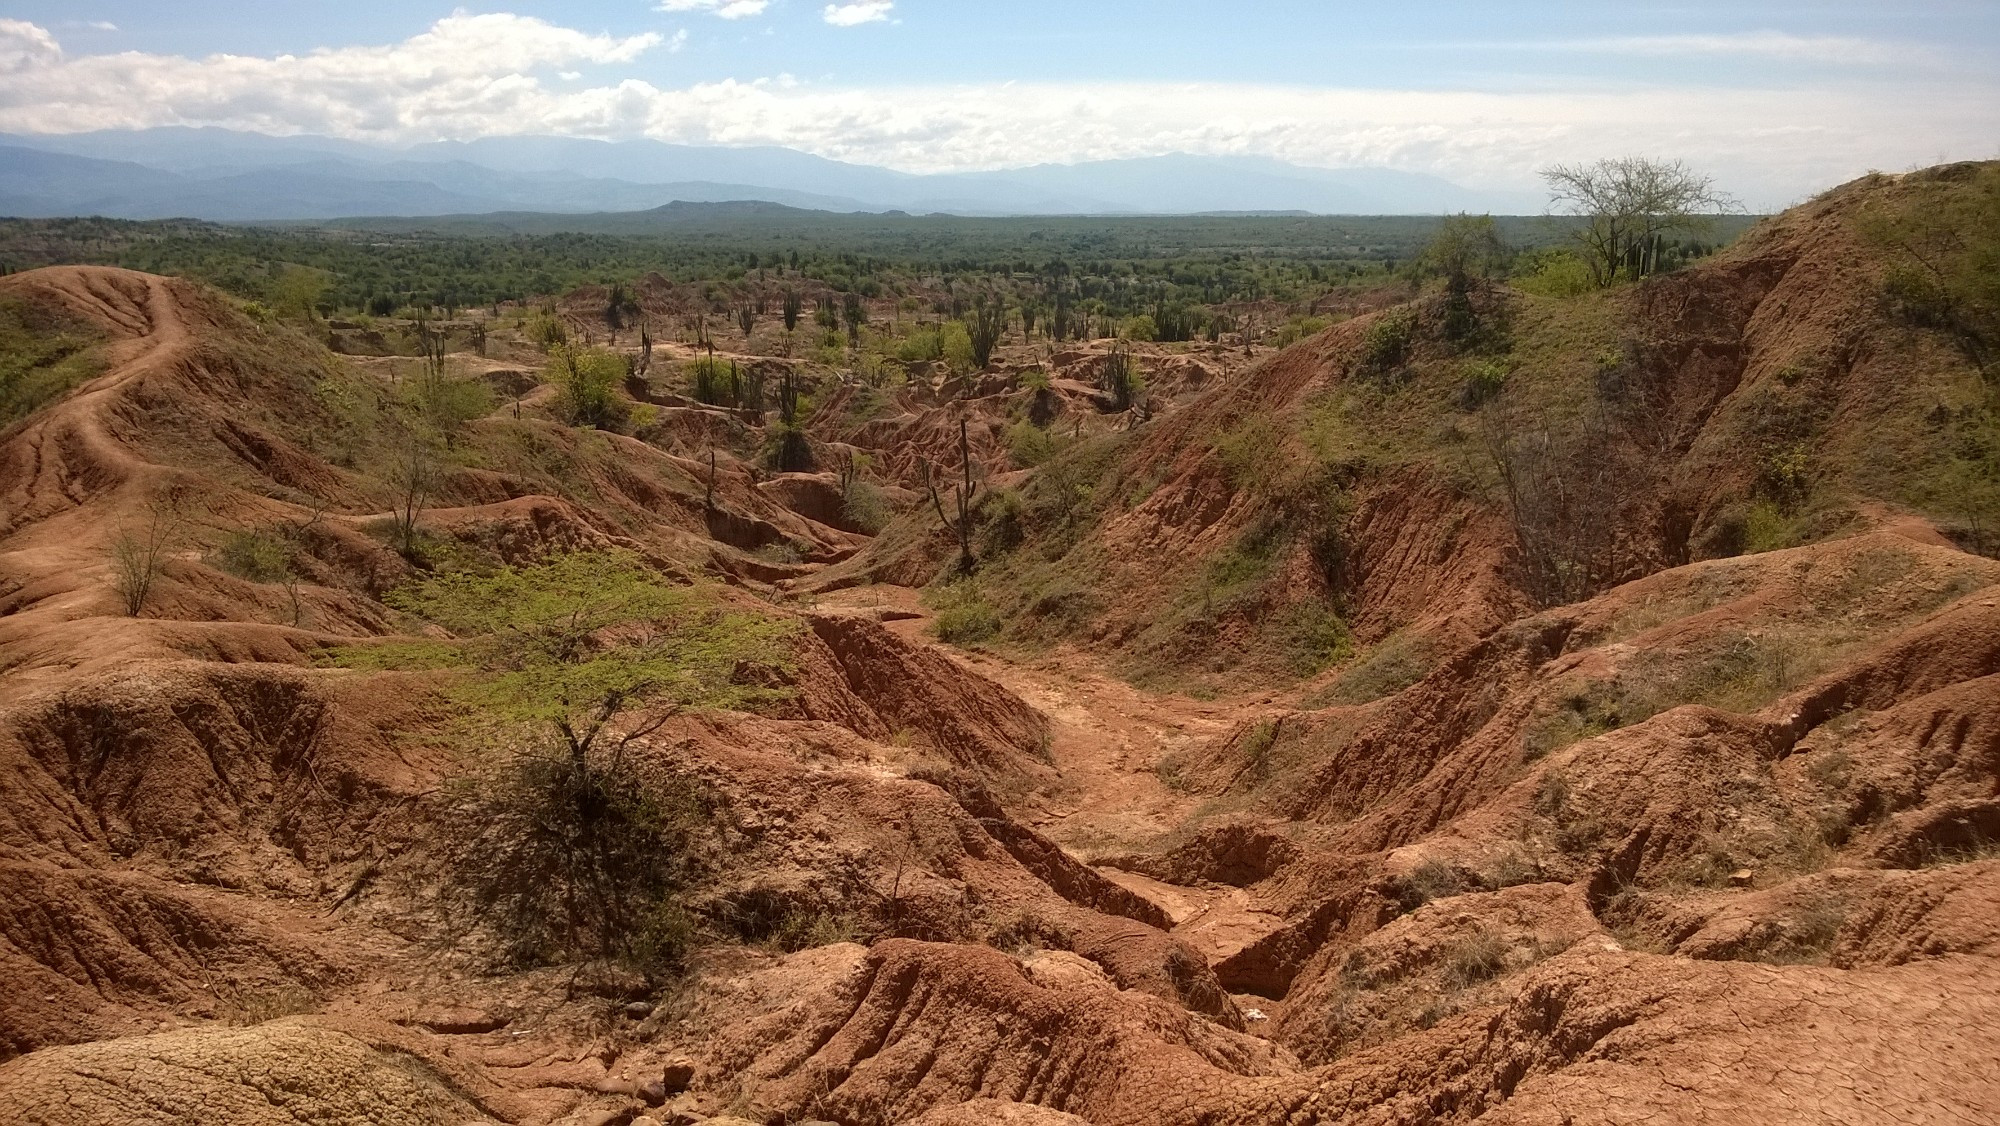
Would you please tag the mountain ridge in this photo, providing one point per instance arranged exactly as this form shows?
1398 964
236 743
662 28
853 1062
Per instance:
228 176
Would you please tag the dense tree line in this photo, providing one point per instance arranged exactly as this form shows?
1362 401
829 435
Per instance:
1074 274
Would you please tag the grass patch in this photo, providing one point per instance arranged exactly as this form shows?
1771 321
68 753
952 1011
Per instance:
1387 669
1479 956
259 555
42 356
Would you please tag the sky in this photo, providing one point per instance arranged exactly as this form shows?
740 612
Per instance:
1777 100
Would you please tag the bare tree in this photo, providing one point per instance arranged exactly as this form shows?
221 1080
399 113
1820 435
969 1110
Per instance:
1564 484
1628 204
139 554
412 473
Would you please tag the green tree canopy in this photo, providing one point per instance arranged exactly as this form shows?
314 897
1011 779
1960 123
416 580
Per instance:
574 641
1627 204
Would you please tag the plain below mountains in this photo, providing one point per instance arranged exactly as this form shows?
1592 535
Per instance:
231 176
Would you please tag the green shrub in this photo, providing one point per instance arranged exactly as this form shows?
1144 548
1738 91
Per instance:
548 331
1029 445
1553 273
713 381
1483 382
1251 451
922 345
963 615
1141 327
1314 638
1299 328
587 379
1386 344
562 850
866 506
1002 517
956 344
1767 528
260 556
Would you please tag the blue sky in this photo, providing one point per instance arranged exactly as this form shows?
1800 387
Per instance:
1780 98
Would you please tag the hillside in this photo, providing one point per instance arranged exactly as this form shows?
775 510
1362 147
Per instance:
1535 709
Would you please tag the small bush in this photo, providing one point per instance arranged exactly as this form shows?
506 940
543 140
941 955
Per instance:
139 556
1297 329
1252 451
785 553
1314 638
1027 931
259 556
1484 380
1386 345
548 332
1433 879
922 345
956 344
963 615
1257 745
1553 273
558 861
1767 528
1002 517
866 506
587 379
712 381
1029 445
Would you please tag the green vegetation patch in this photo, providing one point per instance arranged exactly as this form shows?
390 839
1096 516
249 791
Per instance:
560 848
42 355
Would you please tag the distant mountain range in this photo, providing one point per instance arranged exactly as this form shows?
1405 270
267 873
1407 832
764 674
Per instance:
228 176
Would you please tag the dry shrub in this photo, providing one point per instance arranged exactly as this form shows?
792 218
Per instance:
1479 956
557 859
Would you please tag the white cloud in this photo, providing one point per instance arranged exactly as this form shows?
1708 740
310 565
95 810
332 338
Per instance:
24 46
726 9
471 76
679 40
449 79
860 12
1763 44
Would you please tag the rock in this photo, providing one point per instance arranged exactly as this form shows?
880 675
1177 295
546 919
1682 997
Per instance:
653 1091
639 1010
1741 878
676 1075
